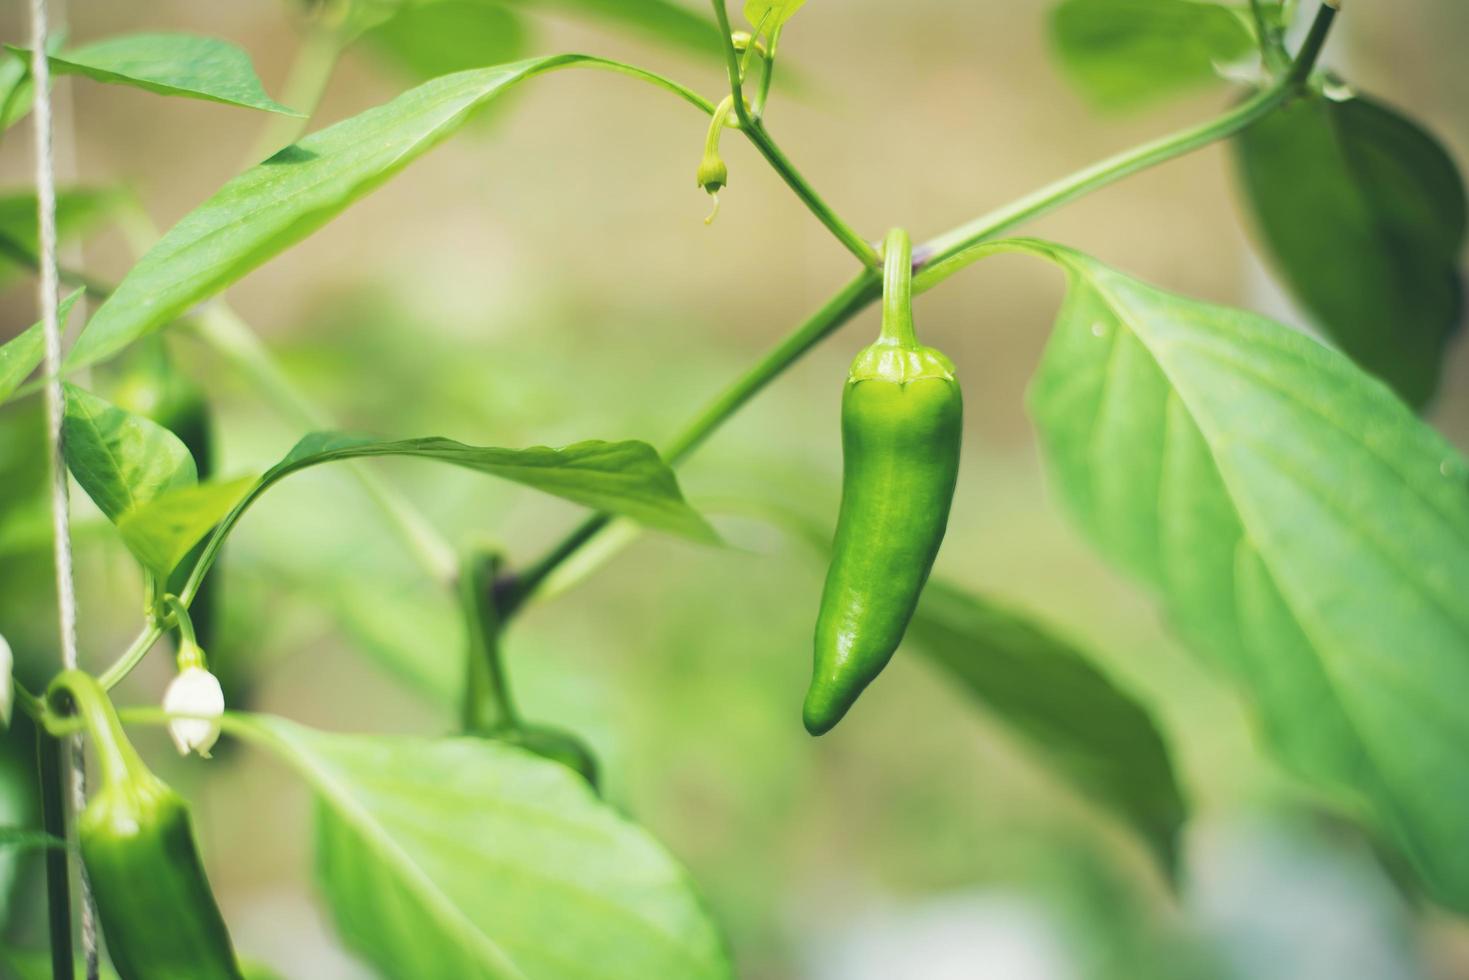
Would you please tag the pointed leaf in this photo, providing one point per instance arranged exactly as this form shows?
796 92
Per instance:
24 352
273 206
451 858
627 478
1124 53
770 15
1095 735
1304 529
172 64
122 460
1363 215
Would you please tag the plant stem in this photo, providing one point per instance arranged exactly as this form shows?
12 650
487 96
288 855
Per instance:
897 290
1272 45
937 259
1300 69
853 297
488 706
51 758
132 656
755 131
229 336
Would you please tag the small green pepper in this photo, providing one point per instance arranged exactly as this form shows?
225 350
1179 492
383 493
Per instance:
158 914
902 417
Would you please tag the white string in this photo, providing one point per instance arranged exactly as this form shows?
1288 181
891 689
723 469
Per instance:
66 602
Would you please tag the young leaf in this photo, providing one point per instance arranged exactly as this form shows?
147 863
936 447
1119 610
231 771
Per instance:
1124 53
1042 688
122 460
21 354
161 532
627 478
624 478
172 64
452 858
273 206
1304 529
432 39
771 15
1363 214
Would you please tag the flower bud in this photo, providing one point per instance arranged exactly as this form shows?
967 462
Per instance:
713 175
195 692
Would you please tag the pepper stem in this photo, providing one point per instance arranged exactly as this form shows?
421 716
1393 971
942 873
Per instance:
897 290
115 754
488 705
190 653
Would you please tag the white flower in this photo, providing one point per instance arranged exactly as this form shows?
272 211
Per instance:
194 692
7 685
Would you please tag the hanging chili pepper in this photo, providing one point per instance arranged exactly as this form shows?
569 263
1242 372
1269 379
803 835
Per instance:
158 915
901 426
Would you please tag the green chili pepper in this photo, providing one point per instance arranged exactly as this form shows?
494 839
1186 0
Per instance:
157 912
901 427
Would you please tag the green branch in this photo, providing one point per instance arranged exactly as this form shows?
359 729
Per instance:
939 259
945 255
754 130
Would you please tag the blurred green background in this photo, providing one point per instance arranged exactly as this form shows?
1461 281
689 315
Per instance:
546 277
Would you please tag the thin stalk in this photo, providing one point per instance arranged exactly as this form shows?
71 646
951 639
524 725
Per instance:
1306 58
853 298
51 762
488 705
934 257
1272 44
132 656
936 260
897 290
755 131
230 337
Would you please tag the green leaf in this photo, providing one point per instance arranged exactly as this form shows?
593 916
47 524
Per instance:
122 460
1363 215
24 352
626 478
770 16
77 211
272 206
661 20
161 532
1124 53
432 39
1095 735
1304 529
172 64
450 858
